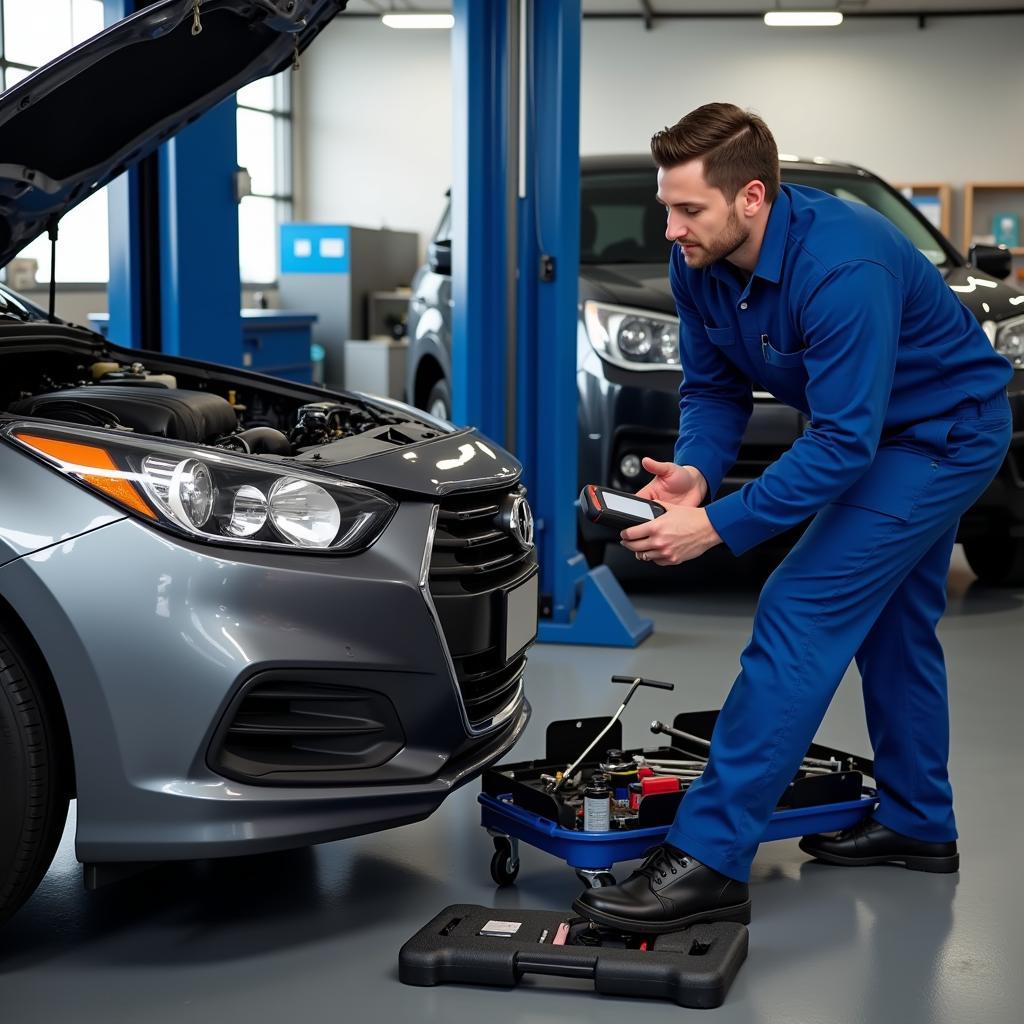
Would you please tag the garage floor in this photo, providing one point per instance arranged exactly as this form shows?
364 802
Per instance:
314 934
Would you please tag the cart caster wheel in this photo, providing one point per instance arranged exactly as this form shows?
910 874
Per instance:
596 879
504 869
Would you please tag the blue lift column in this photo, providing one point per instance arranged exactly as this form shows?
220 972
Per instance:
124 289
198 277
516 81
200 283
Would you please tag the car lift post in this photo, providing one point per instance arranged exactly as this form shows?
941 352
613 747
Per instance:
515 268
196 311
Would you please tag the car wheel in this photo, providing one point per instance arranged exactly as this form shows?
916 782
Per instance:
439 401
33 797
997 562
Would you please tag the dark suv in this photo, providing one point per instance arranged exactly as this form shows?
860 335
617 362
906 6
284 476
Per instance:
628 352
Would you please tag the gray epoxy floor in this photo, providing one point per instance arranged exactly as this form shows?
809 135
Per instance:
314 934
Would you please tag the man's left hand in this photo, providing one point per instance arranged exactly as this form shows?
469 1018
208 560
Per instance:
677 536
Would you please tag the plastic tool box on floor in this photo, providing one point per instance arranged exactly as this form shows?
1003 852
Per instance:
516 805
482 946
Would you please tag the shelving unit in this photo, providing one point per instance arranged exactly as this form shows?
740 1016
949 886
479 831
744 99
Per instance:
931 192
982 201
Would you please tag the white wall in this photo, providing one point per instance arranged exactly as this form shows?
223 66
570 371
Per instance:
940 104
943 104
373 126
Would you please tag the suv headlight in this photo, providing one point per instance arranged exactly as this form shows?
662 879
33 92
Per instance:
636 339
1007 338
214 496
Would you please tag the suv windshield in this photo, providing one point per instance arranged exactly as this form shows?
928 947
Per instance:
620 221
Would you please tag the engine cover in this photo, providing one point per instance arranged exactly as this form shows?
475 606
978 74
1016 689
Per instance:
193 416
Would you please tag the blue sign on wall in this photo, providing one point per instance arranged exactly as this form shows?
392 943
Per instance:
314 248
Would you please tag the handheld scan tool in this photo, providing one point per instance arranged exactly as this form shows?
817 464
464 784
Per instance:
617 510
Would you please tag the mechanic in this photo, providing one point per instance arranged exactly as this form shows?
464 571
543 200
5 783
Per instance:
829 307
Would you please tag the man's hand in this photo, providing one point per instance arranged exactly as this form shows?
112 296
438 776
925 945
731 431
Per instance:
679 535
674 486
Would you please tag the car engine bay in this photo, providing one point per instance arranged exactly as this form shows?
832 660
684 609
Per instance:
215 410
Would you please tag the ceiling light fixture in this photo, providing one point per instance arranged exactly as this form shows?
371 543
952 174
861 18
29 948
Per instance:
418 20
803 19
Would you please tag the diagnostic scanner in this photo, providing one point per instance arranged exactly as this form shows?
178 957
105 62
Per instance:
617 510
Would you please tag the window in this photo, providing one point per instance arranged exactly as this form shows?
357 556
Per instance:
264 149
33 32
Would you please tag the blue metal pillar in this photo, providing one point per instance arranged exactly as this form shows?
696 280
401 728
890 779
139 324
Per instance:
586 607
515 262
199 276
124 290
482 257
197 310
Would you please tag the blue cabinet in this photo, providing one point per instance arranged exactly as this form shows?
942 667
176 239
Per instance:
277 342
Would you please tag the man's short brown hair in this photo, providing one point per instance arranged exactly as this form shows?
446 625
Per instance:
735 145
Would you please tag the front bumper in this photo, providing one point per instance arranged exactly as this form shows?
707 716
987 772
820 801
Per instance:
150 641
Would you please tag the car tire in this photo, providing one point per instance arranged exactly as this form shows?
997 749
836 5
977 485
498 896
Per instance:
997 562
439 401
33 794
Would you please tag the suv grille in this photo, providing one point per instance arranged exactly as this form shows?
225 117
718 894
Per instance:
287 730
473 563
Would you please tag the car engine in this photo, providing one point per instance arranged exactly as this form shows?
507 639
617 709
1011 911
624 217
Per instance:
243 418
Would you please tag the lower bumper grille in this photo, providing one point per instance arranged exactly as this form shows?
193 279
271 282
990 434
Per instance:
281 729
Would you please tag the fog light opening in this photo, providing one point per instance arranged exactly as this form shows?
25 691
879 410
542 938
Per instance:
630 466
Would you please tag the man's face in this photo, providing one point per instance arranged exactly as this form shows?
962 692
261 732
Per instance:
701 221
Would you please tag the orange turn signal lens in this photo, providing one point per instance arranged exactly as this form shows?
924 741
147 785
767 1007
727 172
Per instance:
76 458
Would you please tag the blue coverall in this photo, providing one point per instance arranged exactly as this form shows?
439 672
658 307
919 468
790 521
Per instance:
846 321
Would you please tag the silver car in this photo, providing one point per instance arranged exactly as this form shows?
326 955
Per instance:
236 614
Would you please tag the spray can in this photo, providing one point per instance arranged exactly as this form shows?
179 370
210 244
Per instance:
596 807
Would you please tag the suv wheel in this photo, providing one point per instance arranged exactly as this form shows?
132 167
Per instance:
33 797
998 562
439 401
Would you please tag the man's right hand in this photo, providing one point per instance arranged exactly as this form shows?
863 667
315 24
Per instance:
674 486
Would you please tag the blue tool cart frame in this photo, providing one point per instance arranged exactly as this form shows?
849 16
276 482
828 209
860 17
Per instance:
594 854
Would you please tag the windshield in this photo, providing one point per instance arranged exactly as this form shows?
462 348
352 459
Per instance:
621 222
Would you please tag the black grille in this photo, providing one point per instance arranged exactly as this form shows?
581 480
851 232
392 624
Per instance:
472 553
299 731
474 562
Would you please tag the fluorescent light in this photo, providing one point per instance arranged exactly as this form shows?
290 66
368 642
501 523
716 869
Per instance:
803 19
418 20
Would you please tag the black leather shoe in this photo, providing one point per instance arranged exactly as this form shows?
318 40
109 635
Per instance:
868 842
670 891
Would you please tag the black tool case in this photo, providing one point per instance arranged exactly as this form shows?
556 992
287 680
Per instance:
692 968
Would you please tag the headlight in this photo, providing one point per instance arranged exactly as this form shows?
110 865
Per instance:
633 338
1008 339
214 496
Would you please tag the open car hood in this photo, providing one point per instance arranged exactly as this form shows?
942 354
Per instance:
79 121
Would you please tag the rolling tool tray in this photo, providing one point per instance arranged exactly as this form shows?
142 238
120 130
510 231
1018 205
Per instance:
517 803
481 946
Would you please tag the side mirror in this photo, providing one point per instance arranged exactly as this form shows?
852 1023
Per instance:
439 256
996 260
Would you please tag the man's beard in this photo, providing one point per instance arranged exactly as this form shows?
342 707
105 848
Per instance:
720 248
